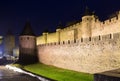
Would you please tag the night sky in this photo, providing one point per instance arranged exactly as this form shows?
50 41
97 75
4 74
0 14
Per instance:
46 14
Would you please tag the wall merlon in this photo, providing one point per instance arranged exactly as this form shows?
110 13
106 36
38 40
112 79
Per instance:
107 22
57 30
101 23
114 19
107 37
71 41
96 38
78 23
45 33
56 43
118 12
87 40
62 42
97 20
116 35
76 41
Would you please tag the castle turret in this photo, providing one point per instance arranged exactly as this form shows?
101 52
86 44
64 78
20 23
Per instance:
27 42
87 21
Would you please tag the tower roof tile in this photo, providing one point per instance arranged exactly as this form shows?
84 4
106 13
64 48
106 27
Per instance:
27 30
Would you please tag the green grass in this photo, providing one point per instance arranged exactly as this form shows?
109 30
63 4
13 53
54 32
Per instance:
58 73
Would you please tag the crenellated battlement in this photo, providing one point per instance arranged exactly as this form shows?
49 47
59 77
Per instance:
104 23
90 26
71 27
110 21
88 46
85 41
91 55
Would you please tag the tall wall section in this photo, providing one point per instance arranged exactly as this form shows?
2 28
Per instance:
90 26
69 33
108 26
88 46
91 55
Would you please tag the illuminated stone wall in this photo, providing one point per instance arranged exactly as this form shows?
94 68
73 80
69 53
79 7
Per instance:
67 35
101 53
89 26
88 46
109 26
40 40
27 42
52 37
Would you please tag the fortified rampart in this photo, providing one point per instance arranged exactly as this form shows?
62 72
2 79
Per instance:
88 46
91 55
89 26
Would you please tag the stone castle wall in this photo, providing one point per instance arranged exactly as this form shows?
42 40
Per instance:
91 55
90 26
109 26
88 46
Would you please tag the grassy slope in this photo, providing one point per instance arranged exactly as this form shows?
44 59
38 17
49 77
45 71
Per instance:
57 73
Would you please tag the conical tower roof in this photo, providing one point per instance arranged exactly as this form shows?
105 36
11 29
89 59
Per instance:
27 30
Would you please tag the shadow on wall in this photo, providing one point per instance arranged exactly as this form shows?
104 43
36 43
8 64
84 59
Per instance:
113 75
26 59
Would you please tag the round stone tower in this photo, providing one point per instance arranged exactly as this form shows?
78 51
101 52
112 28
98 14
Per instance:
27 45
87 21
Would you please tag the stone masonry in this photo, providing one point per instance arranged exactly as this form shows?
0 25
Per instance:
88 46
93 56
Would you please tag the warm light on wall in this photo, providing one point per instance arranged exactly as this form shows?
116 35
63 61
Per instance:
90 26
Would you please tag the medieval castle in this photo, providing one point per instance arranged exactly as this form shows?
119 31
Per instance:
87 46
